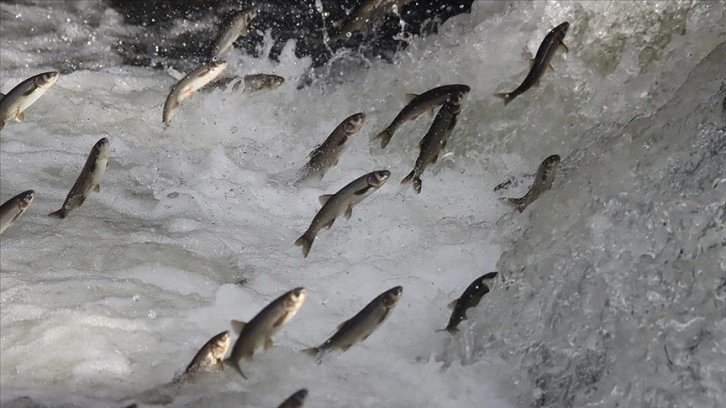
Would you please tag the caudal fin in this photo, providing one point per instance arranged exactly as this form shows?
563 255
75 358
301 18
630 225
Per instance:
236 367
515 203
506 96
305 243
385 137
59 214
412 178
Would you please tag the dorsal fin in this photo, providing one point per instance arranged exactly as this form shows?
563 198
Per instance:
237 326
453 304
410 97
324 198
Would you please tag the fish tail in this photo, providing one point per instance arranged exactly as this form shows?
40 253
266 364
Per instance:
409 178
385 137
305 243
59 214
236 367
507 96
417 184
515 203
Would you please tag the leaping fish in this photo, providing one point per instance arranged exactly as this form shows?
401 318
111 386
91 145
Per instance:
470 298
236 27
259 331
15 102
418 104
552 41
186 87
14 208
208 358
89 180
341 202
542 182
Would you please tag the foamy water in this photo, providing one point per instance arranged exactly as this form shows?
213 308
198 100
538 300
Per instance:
194 225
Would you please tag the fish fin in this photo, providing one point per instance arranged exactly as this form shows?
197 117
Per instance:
531 63
235 365
349 212
97 189
314 152
515 203
346 347
464 316
237 326
452 330
329 224
431 112
305 243
324 198
435 159
506 96
453 303
410 97
268 343
342 142
417 184
335 163
2 124
20 116
408 178
549 68
385 137
312 351
536 83
59 214
564 47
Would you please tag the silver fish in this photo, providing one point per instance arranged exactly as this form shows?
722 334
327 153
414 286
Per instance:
542 182
296 400
552 41
259 331
327 154
341 202
362 325
208 358
15 102
434 142
470 298
418 104
237 26
261 82
186 87
89 180
14 208
365 14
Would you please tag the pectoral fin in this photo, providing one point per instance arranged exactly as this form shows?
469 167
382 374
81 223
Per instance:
97 189
329 224
268 343
237 326
564 47
348 212
410 97
324 198
550 68
453 303
20 116
431 112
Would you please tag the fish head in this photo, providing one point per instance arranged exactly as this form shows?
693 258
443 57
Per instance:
216 66
294 299
26 199
274 81
249 15
102 147
220 344
563 27
300 396
47 79
455 102
378 178
391 297
354 122
551 162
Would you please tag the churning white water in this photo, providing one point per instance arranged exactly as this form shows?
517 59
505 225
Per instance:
615 281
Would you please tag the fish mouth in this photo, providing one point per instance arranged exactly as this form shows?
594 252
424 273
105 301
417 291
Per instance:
565 26
297 296
393 295
355 122
380 177
47 79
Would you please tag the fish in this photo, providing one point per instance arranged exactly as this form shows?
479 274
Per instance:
341 202
261 82
296 400
208 358
326 155
14 103
236 27
364 14
12 209
360 326
418 104
88 181
542 182
186 87
259 331
541 62
434 142
470 298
